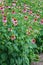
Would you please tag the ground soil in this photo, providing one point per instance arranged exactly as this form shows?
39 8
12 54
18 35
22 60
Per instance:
40 62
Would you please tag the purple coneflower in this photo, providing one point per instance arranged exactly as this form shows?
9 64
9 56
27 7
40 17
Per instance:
15 22
41 22
33 41
4 19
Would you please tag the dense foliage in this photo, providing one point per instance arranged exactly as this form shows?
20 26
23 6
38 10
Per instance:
21 31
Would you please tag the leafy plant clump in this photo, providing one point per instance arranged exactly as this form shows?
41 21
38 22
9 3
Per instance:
20 24
39 42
